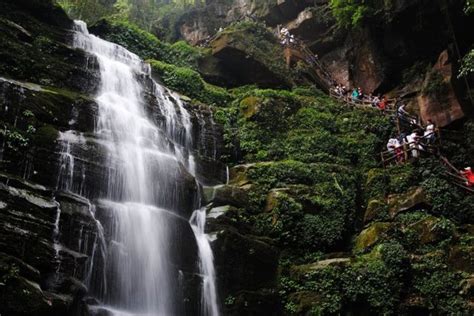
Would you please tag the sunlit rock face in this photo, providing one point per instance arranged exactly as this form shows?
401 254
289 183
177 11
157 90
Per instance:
441 108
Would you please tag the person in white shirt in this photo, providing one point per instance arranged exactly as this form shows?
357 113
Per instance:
429 132
413 141
392 144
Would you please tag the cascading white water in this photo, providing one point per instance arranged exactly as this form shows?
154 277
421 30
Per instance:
209 298
142 171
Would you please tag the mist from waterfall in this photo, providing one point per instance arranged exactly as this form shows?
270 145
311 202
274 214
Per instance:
144 162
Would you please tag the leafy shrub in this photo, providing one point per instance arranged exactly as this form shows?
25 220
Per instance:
190 83
146 45
439 286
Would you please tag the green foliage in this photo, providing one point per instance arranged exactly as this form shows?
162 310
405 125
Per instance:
311 216
439 286
189 82
88 10
146 45
147 14
353 13
348 13
319 131
447 200
229 300
374 281
467 66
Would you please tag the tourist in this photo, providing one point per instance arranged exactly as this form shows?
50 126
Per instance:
292 39
401 112
375 101
469 175
382 104
355 94
392 144
429 134
413 143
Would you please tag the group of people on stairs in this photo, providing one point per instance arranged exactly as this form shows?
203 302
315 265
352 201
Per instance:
422 140
410 145
356 95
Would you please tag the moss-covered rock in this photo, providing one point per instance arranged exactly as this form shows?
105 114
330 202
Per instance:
430 230
413 198
189 82
299 272
371 236
376 210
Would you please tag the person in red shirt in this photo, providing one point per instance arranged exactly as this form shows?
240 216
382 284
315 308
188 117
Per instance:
382 104
469 175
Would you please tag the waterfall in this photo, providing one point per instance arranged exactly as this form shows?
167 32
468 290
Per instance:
206 265
144 163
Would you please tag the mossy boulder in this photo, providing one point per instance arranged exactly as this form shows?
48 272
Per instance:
371 236
238 175
431 229
228 194
250 106
299 272
376 210
415 197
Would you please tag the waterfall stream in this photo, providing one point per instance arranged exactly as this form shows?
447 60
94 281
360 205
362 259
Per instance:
143 189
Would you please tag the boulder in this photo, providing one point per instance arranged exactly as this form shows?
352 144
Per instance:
371 236
427 230
217 212
438 101
376 209
244 262
415 197
238 175
299 272
227 194
462 258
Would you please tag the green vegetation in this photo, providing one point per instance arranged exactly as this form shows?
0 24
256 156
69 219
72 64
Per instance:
352 13
189 82
146 14
146 45
467 66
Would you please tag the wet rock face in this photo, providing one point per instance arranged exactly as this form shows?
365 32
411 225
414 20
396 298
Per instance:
43 253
